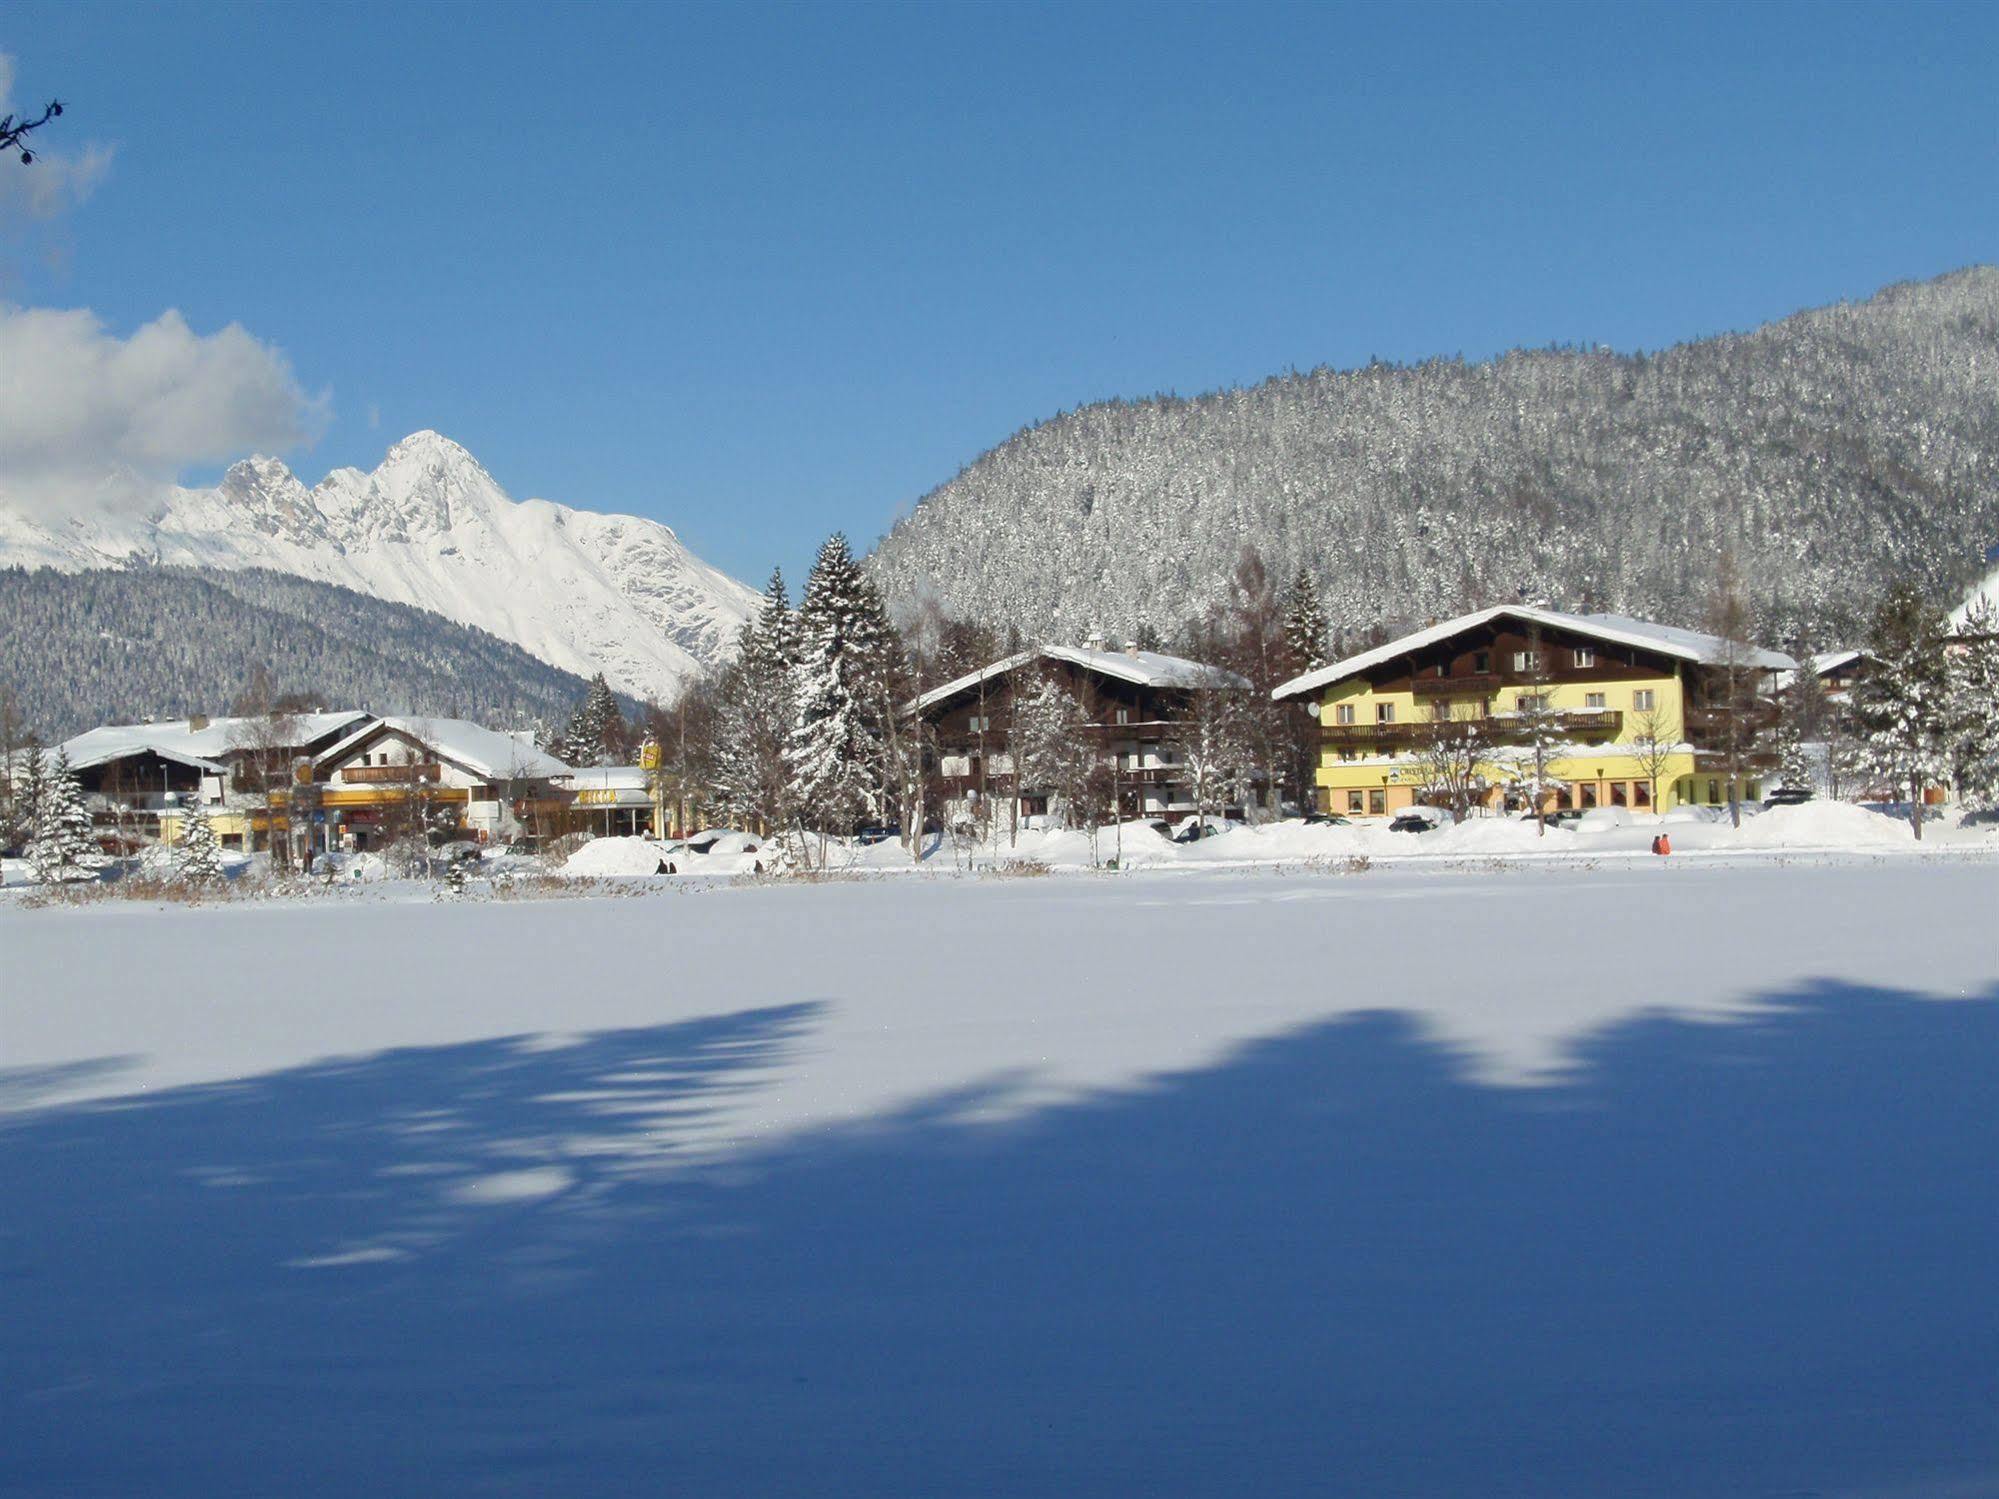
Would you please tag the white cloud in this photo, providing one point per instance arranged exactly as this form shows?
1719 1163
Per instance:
89 420
59 178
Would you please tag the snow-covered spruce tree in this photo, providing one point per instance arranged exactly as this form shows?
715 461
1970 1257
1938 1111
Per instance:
1305 624
1904 709
1052 753
1794 767
834 753
62 849
596 729
31 781
755 713
1977 682
199 858
1812 721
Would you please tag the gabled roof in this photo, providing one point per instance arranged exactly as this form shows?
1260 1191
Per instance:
177 739
1141 668
483 751
1613 629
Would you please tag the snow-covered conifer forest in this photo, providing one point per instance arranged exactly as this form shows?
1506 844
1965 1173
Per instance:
1829 452
112 646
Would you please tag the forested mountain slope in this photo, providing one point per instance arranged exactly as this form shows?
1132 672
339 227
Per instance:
116 645
1827 451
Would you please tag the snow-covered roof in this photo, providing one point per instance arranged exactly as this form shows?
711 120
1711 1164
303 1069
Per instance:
483 751
1614 629
1141 668
178 740
1826 661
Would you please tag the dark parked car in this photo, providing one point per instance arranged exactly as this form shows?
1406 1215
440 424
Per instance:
1788 796
881 833
1417 820
1326 819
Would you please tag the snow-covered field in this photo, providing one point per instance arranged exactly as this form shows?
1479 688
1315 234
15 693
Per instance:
1621 1177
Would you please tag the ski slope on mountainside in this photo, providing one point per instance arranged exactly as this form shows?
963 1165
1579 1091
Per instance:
430 527
1654 1180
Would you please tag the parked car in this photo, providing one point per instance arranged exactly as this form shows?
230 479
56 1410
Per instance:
1417 820
880 833
719 851
1327 819
1194 829
461 851
1788 796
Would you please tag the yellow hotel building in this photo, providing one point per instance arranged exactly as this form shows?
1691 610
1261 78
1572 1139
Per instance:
1642 710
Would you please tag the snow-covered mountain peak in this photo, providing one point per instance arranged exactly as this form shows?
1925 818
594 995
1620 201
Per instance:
430 526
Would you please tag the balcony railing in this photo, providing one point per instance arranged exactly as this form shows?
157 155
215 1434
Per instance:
1465 686
1602 723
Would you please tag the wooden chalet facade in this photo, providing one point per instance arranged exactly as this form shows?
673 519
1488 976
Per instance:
1136 703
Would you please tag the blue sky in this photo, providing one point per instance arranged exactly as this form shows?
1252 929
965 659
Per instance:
762 272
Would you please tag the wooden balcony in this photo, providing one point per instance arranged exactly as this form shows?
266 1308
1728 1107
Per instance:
1479 685
390 775
1594 724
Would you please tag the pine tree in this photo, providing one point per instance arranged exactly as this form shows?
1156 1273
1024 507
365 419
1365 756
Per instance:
834 752
1052 753
1905 708
1305 624
200 859
1977 750
62 848
596 729
1794 770
31 781
755 713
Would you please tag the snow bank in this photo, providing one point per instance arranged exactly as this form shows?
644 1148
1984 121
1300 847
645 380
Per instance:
614 856
1822 824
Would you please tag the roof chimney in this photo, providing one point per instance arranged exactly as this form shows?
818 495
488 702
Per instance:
1131 647
196 722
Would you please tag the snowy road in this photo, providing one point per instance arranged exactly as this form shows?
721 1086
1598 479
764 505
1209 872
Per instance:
1659 1180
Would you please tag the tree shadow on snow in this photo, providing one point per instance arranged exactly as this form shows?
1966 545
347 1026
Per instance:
1747 1258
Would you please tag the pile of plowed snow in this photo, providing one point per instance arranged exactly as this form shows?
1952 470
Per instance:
1823 824
615 856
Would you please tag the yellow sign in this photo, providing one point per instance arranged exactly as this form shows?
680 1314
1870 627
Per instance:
302 772
649 755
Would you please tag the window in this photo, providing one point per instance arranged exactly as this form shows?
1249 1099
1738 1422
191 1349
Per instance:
1377 802
1588 796
1526 660
1348 753
1481 662
1355 802
1594 700
1585 657
976 725
1384 713
1644 700
1620 794
1343 713
1641 794
1533 702
1124 715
